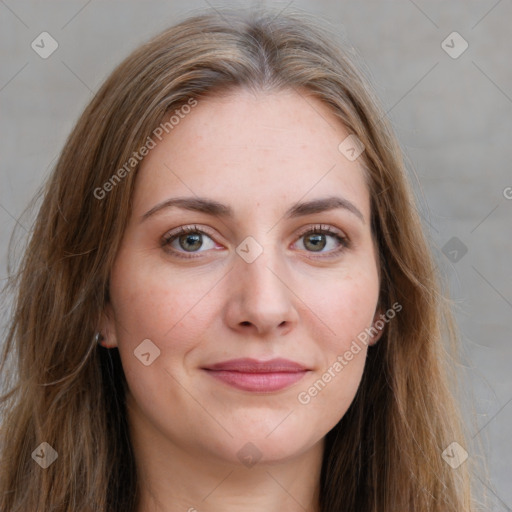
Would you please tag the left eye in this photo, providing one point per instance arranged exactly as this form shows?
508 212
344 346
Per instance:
317 240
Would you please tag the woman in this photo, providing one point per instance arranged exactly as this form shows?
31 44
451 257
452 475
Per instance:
227 302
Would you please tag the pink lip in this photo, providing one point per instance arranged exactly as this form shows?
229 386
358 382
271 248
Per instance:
258 376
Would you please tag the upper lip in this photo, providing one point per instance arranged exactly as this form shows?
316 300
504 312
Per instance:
248 365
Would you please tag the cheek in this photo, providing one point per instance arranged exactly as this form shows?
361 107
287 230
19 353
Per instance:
342 313
159 303
344 307
324 400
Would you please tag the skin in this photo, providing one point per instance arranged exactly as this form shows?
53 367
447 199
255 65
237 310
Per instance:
260 154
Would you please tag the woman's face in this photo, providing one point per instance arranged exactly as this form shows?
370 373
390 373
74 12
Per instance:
277 263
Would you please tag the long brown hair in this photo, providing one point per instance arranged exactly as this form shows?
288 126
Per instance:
385 455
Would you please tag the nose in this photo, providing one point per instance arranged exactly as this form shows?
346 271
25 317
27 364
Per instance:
260 298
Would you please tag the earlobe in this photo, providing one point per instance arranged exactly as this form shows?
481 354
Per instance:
378 326
376 338
106 332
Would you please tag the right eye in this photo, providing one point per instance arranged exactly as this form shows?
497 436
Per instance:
187 239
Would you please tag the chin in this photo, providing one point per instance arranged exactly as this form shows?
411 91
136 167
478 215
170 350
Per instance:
251 445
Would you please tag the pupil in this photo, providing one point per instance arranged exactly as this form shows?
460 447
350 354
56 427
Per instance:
194 240
317 241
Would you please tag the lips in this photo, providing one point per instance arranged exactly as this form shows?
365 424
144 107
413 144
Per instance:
258 376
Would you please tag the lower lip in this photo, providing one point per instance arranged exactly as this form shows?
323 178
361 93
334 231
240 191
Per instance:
258 382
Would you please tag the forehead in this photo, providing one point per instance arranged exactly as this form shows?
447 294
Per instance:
276 146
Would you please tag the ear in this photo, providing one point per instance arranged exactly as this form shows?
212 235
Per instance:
107 328
378 327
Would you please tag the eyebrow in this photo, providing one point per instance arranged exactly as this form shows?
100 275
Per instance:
211 207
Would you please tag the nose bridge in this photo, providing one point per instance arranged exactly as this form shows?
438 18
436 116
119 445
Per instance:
259 295
260 281
260 275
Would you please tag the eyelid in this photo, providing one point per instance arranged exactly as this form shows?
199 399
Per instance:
322 228
188 228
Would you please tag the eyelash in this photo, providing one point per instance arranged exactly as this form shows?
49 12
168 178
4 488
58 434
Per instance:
317 229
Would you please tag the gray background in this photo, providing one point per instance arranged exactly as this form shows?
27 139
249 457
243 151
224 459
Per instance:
452 116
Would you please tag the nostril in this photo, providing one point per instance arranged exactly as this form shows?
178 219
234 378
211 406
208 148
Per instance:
246 323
